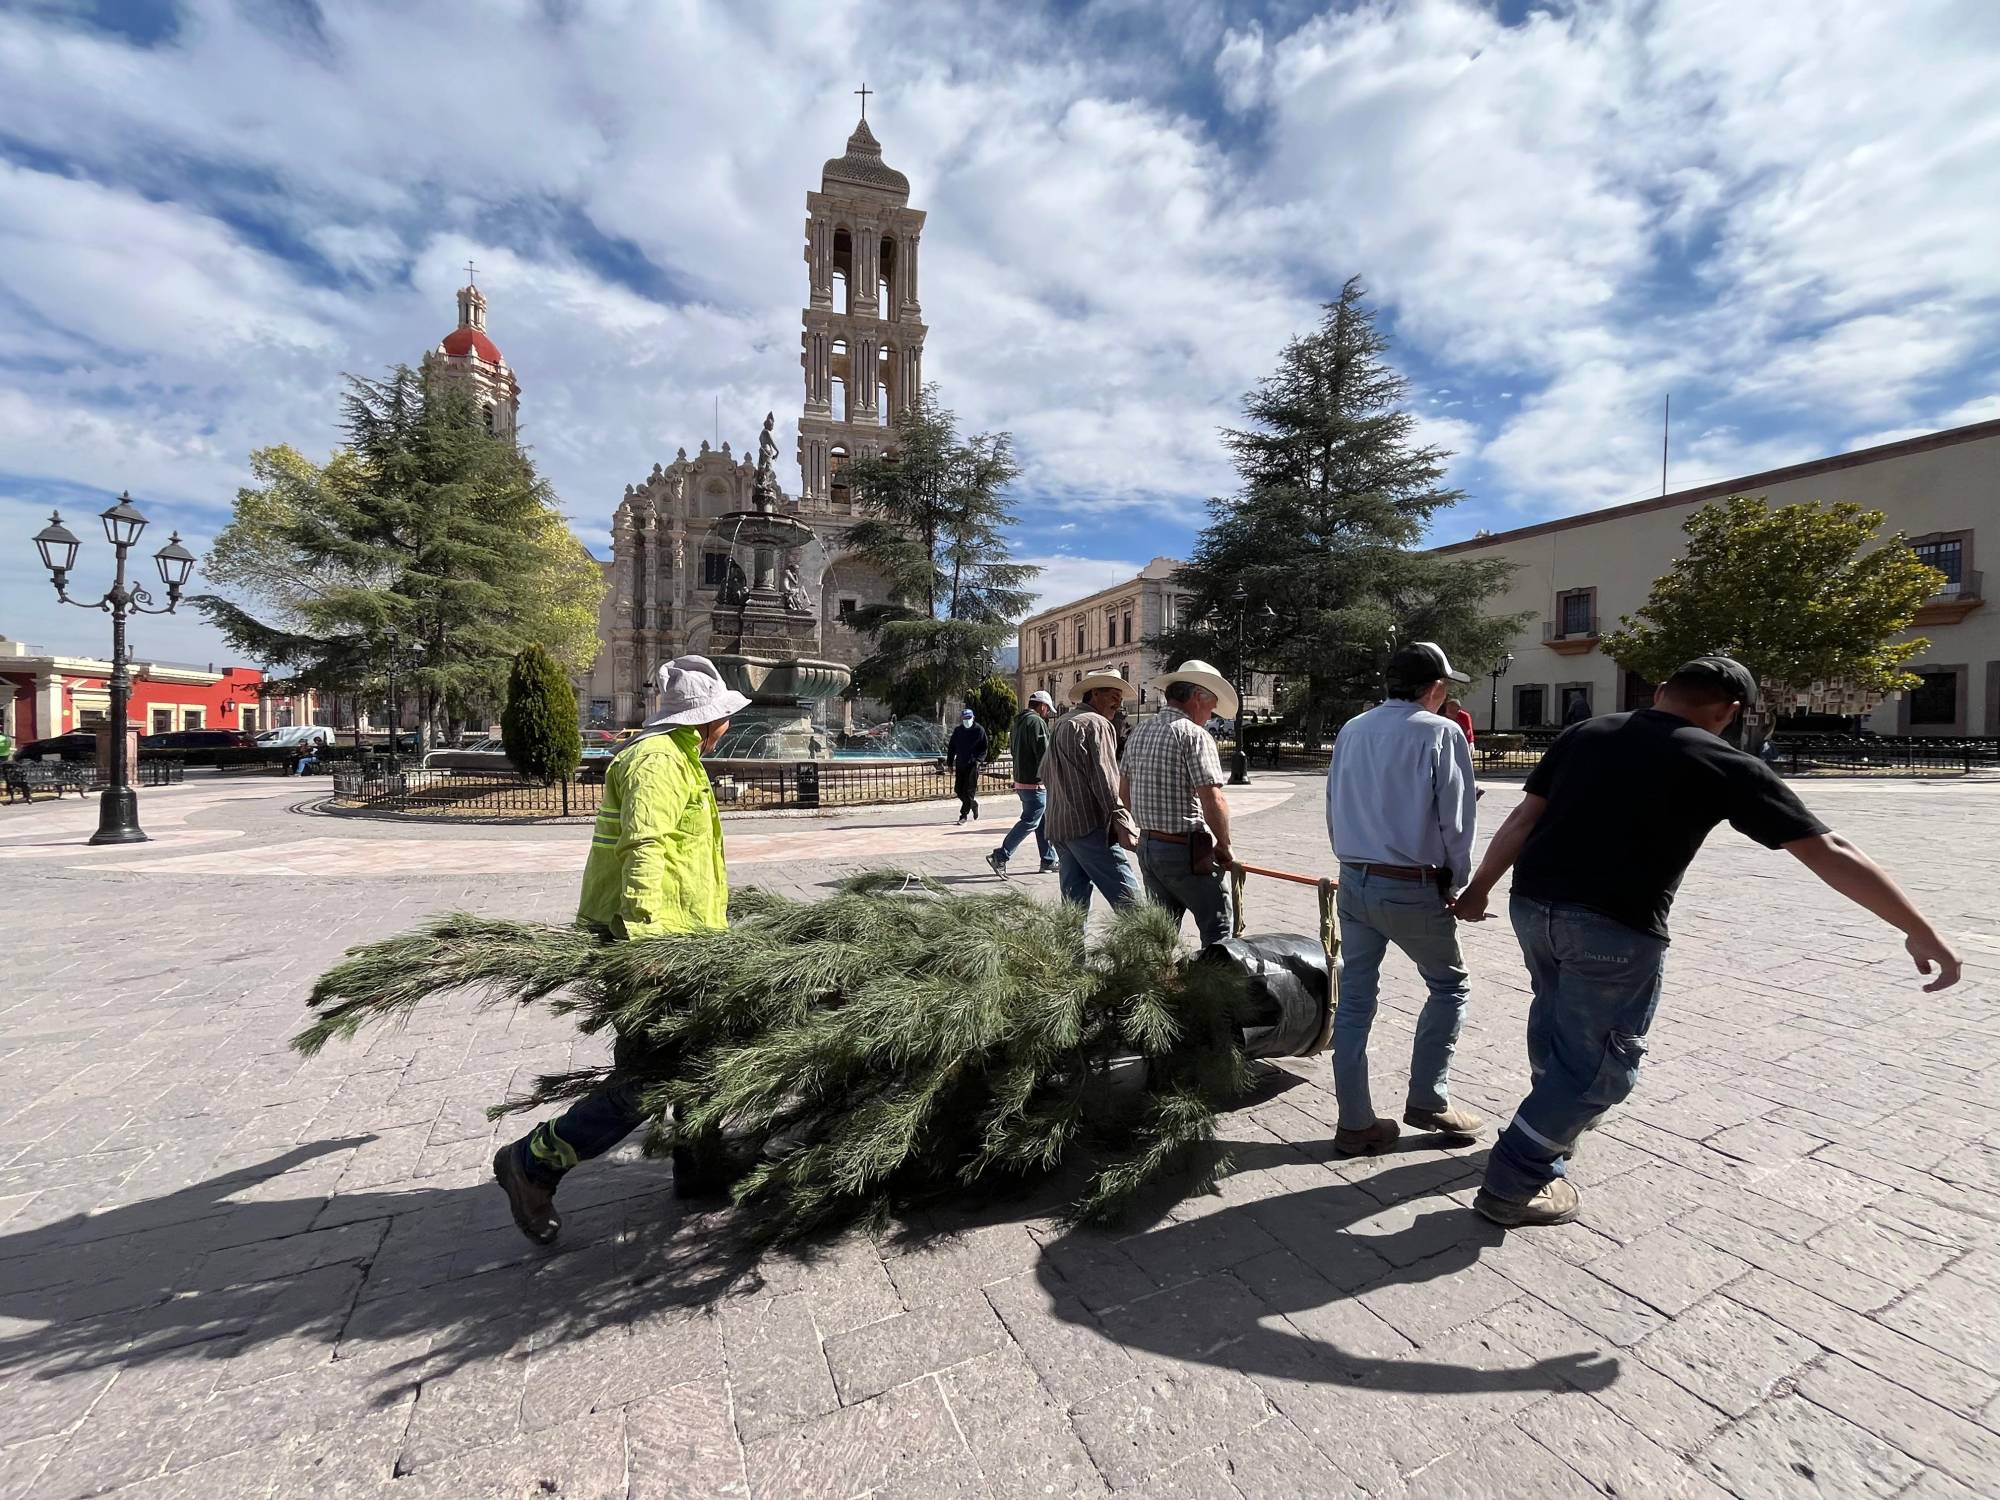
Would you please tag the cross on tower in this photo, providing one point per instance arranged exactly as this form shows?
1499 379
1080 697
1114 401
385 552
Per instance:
864 91
470 279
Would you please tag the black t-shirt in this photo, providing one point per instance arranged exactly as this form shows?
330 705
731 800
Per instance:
1631 797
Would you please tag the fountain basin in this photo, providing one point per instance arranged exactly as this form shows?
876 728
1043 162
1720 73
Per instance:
782 680
761 528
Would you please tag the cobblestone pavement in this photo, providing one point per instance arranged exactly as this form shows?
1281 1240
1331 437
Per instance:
228 1272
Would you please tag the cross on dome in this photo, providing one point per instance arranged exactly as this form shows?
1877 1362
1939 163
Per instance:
864 91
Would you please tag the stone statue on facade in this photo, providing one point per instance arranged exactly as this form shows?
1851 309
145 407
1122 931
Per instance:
797 600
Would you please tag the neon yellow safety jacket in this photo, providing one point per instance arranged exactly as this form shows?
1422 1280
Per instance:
655 863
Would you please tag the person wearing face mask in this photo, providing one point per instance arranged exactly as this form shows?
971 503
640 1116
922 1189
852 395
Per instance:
966 751
655 867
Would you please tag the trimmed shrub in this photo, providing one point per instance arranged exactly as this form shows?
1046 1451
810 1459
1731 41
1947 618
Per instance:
539 725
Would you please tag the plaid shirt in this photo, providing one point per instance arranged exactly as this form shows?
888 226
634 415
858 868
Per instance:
1081 774
1167 760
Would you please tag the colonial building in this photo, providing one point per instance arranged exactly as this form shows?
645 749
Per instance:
468 357
862 361
1107 632
1575 577
44 694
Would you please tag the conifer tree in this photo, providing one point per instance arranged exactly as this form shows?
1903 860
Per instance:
539 725
935 518
1335 500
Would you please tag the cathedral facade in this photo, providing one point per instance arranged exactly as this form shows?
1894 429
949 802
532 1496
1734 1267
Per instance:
861 355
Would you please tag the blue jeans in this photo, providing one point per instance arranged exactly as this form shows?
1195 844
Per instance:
1172 883
1034 802
1376 911
1597 985
590 1127
1096 861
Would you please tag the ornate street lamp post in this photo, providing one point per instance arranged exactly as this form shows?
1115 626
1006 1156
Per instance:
1493 709
118 810
1239 763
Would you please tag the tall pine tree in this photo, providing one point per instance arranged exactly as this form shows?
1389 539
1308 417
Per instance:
935 517
1335 499
418 560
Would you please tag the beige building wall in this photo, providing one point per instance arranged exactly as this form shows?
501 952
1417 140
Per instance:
1579 575
1107 632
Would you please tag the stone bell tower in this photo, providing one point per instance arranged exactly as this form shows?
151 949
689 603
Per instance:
467 356
863 344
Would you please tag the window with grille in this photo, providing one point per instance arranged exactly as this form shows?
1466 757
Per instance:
1574 612
1934 702
1947 555
1530 711
714 569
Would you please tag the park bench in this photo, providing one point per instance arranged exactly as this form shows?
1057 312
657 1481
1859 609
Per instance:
26 777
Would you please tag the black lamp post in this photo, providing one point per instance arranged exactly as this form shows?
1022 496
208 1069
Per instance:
1493 709
1239 763
118 809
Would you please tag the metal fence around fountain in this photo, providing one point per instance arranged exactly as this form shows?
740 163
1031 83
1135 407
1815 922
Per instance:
504 796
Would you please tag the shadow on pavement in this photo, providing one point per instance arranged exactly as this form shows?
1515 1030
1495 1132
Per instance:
1309 1263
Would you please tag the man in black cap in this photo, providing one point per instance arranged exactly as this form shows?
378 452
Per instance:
1400 813
1609 823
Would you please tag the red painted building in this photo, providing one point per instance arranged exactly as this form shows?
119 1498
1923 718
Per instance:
42 695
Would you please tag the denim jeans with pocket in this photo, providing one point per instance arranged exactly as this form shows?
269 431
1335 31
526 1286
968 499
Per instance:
1171 882
1375 911
1096 862
1034 802
1597 986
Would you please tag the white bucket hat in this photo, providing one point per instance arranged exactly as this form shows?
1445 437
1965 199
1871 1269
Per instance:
1202 675
693 692
1098 680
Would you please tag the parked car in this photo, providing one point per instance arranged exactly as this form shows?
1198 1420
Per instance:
197 739
292 735
76 745
481 755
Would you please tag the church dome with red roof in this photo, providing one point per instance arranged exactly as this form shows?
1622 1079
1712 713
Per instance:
466 340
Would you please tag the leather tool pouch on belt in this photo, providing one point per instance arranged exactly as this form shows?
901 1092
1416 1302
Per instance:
1201 850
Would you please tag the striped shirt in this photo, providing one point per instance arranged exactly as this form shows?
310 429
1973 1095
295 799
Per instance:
1168 759
1080 771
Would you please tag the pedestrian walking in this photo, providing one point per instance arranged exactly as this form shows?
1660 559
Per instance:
1087 821
1608 823
1400 813
966 753
655 867
1455 711
1027 744
1577 712
1173 783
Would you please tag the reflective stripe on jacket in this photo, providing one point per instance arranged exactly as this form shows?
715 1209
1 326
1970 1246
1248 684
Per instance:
655 863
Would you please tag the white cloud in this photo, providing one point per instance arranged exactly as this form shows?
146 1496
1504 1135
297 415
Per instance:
1064 577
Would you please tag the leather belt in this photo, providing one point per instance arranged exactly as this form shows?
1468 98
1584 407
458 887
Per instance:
1165 838
1422 873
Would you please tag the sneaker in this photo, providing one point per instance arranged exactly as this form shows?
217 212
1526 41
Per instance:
1451 1120
1556 1203
533 1206
1367 1140
1049 867
996 864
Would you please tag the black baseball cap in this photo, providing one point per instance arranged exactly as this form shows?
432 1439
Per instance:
1422 662
1724 672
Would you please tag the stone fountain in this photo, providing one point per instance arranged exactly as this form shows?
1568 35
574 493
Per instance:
765 633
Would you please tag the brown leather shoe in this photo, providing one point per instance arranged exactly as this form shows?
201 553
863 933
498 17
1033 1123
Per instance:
1367 1140
1557 1203
534 1206
1451 1120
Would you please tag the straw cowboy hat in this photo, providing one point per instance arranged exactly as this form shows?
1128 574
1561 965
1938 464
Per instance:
693 692
1098 680
1205 677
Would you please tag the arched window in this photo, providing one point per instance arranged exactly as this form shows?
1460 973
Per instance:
487 411
840 393
884 395
885 288
843 272
836 488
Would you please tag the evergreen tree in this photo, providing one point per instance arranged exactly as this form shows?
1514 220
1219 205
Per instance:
994 704
935 516
539 724
419 559
1799 595
1335 498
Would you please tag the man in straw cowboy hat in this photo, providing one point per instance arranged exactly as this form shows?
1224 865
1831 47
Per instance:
1173 782
1087 821
1400 814
655 867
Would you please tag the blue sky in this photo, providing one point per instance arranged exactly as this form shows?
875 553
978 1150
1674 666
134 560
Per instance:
1784 214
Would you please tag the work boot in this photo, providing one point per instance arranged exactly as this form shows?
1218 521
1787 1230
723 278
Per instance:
533 1206
1557 1203
1451 1120
1368 1140
996 864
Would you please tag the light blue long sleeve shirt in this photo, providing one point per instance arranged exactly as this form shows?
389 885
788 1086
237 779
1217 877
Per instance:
1400 791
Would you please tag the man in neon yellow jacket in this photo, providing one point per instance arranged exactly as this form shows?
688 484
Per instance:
655 868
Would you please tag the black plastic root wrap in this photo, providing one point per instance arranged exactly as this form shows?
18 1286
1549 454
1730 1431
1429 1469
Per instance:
1284 993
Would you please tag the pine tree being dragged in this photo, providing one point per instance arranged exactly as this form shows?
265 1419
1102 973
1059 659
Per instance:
890 1040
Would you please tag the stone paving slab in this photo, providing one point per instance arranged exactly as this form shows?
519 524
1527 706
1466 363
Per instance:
228 1271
